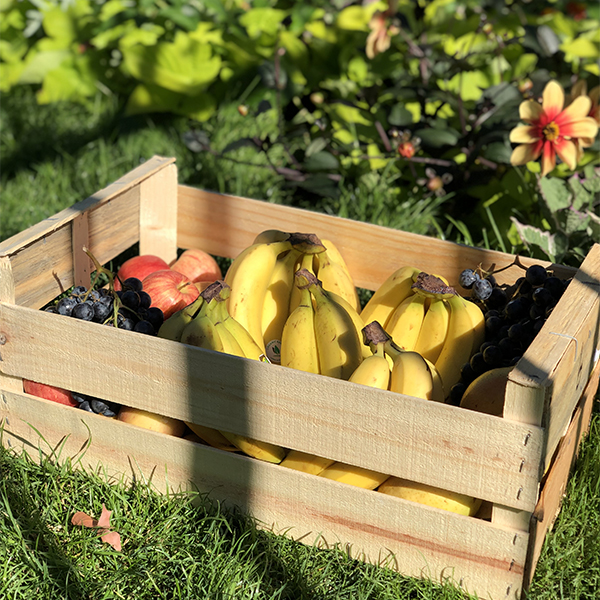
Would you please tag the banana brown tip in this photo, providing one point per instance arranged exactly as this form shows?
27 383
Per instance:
309 243
214 290
374 333
432 285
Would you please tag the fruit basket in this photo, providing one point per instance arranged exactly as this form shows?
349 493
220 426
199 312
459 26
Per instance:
517 464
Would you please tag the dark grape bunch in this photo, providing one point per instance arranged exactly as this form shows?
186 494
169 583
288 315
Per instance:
128 308
97 406
513 317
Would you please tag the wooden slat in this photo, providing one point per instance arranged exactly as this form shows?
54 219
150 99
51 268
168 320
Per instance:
225 225
80 239
414 539
158 214
550 379
437 444
41 257
556 481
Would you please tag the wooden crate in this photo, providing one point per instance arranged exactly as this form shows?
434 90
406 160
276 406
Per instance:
518 464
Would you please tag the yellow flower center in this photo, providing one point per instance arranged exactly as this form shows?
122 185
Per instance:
551 131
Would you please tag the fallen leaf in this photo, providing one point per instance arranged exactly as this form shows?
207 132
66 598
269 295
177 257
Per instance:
112 538
102 525
104 520
80 518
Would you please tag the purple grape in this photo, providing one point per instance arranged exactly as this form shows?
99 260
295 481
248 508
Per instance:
468 278
482 289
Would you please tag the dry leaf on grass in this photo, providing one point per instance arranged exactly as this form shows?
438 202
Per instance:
102 524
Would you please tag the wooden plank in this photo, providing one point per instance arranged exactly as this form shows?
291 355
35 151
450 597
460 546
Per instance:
80 239
416 540
550 379
158 214
557 478
455 449
224 225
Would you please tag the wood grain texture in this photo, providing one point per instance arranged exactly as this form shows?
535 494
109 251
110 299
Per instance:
555 482
416 540
80 236
224 225
455 449
549 380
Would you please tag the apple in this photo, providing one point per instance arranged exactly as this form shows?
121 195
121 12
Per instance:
197 265
49 392
170 291
140 267
151 421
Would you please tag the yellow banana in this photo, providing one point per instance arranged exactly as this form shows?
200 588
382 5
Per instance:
271 235
173 327
334 275
212 437
249 283
277 303
412 376
201 332
432 496
478 320
406 321
307 463
389 295
298 339
433 330
306 261
364 478
260 450
458 344
374 370
338 344
356 319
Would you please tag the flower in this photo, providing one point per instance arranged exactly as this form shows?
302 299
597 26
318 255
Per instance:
580 89
380 38
552 130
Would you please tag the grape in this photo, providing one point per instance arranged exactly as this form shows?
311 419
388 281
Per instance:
535 312
144 327
145 300
542 297
478 364
468 278
508 348
482 289
83 311
100 407
130 299
536 275
65 306
85 405
493 356
133 284
493 324
497 299
516 332
155 316
101 311
125 322
456 393
78 290
522 286
51 309
555 286
492 280
466 373
515 309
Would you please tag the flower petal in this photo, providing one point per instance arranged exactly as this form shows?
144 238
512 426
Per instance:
553 99
524 134
530 111
587 128
548 158
594 95
578 109
567 151
525 153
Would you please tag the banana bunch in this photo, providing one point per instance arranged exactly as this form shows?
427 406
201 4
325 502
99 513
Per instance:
321 335
213 328
263 291
422 314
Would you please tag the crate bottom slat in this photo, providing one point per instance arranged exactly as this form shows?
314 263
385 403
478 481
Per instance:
413 539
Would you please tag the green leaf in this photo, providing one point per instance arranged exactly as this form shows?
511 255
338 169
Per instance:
353 18
548 40
581 197
321 161
575 221
437 137
349 114
262 20
185 65
499 152
581 48
532 236
146 35
400 116
321 185
73 80
469 85
40 63
555 193
315 146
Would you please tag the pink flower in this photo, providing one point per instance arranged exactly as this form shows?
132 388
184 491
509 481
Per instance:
580 89
380 38
551 130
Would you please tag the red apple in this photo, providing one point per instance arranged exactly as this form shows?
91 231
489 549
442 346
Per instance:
152 421
140 267
197 265
170 291
49 392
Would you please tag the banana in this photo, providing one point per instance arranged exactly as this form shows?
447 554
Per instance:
433 330
356 319
271 235
173 327
249 281
212 437
201 332
298 339
432 496
277 303
307 463
478 320
260 450
334 275
338 344
306 261
364 478
374 370
458 344
406 321
390 294
412 376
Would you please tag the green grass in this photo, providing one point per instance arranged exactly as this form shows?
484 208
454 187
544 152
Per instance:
186 546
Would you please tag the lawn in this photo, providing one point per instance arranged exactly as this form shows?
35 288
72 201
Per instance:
185 545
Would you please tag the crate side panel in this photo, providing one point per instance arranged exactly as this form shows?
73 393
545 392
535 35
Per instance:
415 540
556 367
437 444
224 225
